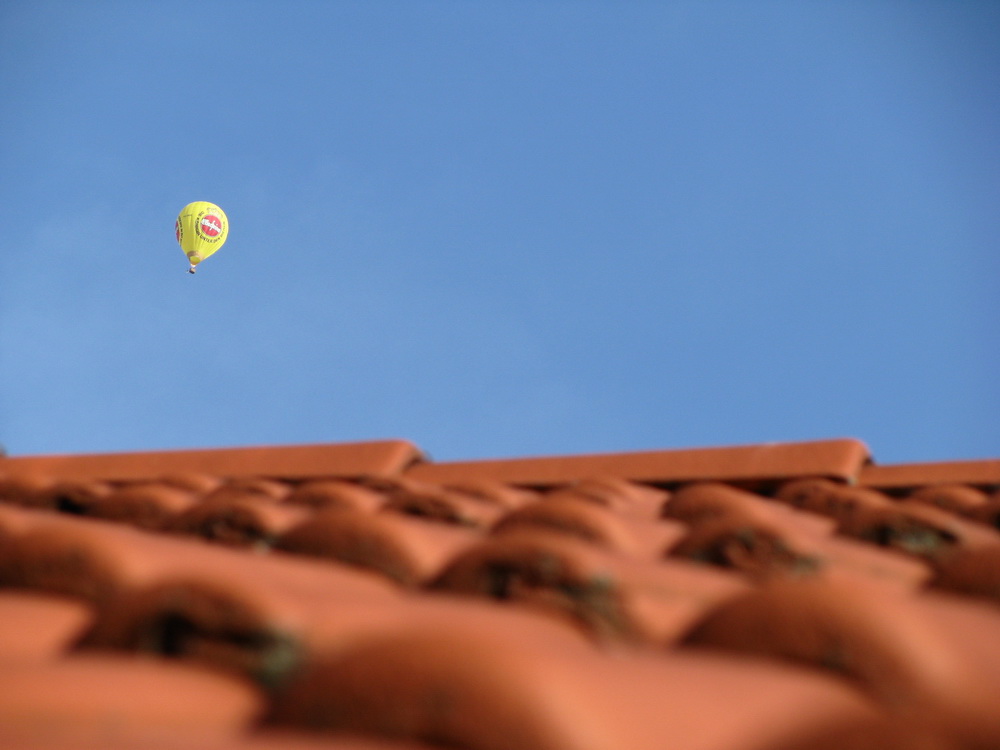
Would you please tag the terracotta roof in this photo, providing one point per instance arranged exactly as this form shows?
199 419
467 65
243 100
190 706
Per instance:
764 597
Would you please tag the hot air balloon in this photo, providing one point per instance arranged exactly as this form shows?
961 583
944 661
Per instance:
202 228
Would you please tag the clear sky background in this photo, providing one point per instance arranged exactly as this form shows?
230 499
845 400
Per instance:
502 228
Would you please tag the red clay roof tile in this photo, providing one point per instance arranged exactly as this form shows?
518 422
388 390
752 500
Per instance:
984 473
504 495
973 571
406 549
487 693
288 462
189 481
627 499
84 557
988 513
256 738
110 699
695 503
147 505
973 627
248 488
67 496
75 496
613 596
843 556
39 626
594 523
96 560
270 638
443 505
16 520
286 740
877 734
882 638
903 648
919 529
765 548
239 520
335 494
830 499
238 610
836 459
23 489
755 547
954 498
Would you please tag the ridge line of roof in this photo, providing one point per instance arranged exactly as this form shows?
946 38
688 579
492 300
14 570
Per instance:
984 472
378 457
841 459
845 460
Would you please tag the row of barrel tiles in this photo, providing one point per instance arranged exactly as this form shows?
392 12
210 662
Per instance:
873 614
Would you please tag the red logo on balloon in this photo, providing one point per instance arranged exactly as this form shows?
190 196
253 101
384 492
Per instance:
211 226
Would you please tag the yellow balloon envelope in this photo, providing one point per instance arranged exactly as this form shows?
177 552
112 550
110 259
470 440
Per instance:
202 228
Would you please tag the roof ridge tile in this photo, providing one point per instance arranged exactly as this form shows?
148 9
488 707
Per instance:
983 473
382 457
839 459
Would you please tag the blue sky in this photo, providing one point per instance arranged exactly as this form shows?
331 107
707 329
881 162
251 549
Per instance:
502 228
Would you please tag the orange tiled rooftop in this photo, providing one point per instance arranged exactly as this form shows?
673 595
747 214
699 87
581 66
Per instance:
781 596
